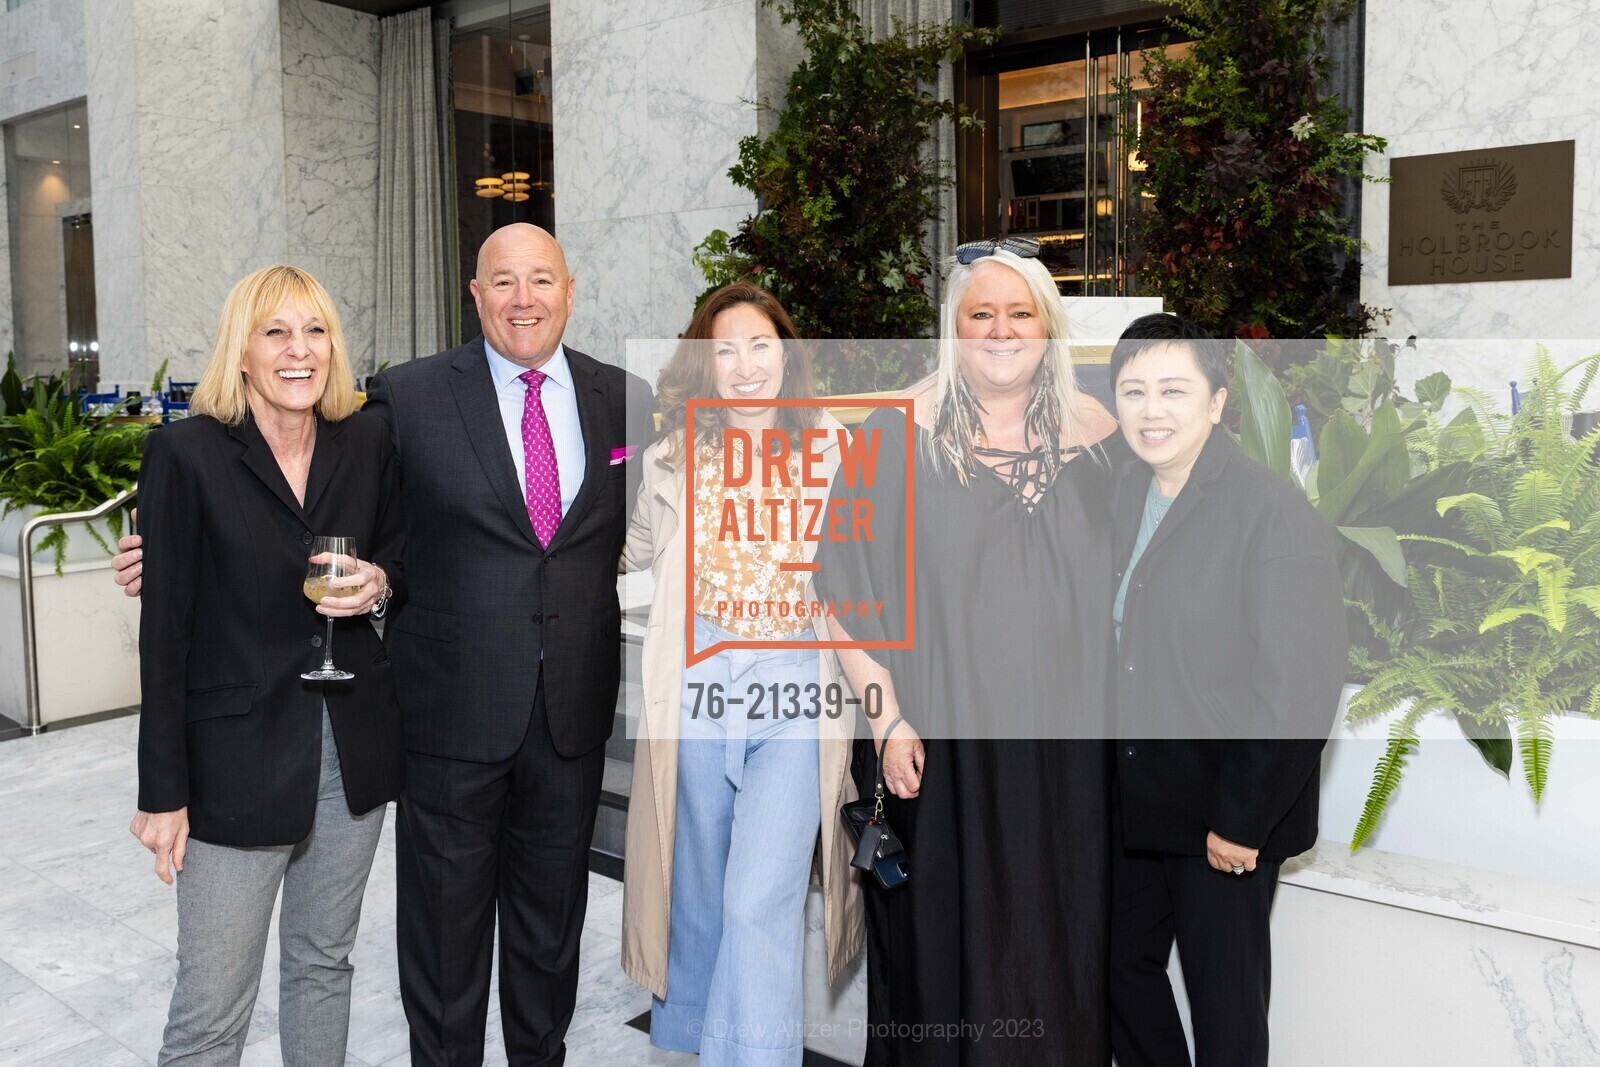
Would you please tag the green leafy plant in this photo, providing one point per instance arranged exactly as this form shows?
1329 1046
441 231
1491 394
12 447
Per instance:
844 192
1504 631
60 460
1355 376
1373 482
1244 156
47 394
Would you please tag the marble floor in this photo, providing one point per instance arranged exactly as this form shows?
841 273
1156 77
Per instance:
88 933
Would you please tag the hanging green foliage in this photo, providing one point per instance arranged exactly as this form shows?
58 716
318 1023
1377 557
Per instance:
844 192
1244 155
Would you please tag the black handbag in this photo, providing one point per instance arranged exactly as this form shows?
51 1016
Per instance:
878 848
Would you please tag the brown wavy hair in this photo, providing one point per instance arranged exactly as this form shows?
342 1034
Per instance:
691 373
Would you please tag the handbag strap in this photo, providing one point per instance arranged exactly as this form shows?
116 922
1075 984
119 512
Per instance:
877 792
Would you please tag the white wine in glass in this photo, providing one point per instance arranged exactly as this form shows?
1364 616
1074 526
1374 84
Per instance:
331 558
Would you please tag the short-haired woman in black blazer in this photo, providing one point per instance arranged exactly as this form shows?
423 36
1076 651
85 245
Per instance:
1231 655
251 778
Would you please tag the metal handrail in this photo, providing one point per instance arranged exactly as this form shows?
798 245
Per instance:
30 651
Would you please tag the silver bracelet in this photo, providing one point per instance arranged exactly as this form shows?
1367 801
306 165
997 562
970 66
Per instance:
382 605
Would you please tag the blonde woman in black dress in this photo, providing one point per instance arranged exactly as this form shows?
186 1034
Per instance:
994 951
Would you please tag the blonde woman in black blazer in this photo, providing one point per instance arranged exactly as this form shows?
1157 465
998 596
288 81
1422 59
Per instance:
250 778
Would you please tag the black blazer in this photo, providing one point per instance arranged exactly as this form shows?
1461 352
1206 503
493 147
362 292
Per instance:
227 726
1233 628
483 601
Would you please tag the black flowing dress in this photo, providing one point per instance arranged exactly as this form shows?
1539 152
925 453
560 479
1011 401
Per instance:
994 951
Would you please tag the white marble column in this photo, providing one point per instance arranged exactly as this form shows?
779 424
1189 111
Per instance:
330 133
186 126
650 103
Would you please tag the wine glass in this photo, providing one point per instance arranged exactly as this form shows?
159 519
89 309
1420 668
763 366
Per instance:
331 557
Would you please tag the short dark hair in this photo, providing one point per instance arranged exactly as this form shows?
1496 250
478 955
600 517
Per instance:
1151 331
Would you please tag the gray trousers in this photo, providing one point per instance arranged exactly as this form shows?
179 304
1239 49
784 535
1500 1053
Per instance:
225 898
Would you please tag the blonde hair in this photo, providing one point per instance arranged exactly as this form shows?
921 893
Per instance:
1053 410
221 392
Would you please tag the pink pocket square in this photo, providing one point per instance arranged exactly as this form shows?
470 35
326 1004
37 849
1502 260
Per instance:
623 454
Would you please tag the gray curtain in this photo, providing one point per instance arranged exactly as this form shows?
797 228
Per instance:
413 260
878 16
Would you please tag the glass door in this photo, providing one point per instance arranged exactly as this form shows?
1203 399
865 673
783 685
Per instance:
1056 150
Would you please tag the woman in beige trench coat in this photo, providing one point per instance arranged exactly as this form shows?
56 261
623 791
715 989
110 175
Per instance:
733 348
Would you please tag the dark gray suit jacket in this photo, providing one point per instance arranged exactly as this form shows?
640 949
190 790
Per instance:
483 600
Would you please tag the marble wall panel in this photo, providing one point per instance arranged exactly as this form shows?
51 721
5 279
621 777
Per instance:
330 184
1437 82
349 280
109 74
208 220
117 233
649 112
611 302
184 296
572 21
179 150
118 291
330 131
187 156
700 74
53 31
330 61
209 57
674 279
603 165
112 103
122 347
185 350
114 149
1472 994
191 81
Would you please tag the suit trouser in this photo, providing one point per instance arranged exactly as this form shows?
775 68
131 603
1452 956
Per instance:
1221 924
225 898
476 839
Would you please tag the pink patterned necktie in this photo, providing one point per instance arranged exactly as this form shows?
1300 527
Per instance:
541 480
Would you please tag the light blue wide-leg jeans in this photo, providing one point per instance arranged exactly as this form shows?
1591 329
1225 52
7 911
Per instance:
747 820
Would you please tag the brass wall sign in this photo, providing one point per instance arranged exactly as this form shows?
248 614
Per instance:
1500 214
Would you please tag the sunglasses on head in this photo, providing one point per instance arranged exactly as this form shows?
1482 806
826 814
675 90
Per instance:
1021 247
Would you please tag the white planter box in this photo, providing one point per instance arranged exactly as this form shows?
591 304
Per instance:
1380 958
1467 931
81 545
87 634
1453 808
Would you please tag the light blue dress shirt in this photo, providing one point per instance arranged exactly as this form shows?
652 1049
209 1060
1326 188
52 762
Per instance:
560 402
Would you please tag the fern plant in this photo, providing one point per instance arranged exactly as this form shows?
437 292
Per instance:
1504 627
58 459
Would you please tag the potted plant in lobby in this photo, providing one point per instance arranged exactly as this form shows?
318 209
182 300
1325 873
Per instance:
53 458
1488 645
1504 631
1367 483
